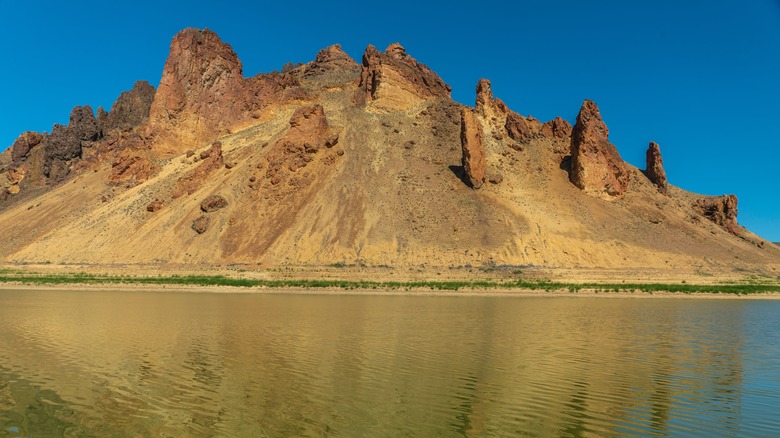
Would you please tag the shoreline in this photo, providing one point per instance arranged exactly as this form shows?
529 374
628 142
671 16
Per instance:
335 291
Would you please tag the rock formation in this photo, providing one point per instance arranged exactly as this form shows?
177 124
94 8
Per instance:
41 159
395 80
522 129
722 210
203 93
473 148
382 188
132 160
556 128
195 178
328 60
201 224
130 110
22 146
201 90
486 105
309 133
596 165
655 167
213 203
65 143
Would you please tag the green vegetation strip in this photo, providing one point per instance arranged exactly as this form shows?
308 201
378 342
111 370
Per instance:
219 280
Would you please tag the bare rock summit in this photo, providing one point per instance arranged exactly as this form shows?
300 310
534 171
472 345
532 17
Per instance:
394 80
655 167
596 165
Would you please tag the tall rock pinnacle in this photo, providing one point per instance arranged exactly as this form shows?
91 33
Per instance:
596 165
473 148
200 92
655 167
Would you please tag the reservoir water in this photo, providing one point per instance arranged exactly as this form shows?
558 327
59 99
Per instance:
93 363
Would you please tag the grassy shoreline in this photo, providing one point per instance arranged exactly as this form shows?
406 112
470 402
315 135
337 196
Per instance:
32 279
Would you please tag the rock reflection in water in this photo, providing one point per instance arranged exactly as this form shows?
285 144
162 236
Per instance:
166 364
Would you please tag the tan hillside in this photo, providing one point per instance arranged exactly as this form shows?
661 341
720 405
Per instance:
337 162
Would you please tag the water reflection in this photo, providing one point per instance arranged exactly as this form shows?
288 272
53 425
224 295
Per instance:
108 364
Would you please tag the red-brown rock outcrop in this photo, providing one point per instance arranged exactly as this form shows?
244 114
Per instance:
133 161
522 129
203 93
556 128
473 148
655 167
722 210
22 146
329 59
195 178
309 133
201 90
486 105
596 166
213 203
395 80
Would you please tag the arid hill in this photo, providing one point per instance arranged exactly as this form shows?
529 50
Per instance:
336 161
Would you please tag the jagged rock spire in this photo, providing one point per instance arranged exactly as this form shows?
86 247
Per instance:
596 165
655 167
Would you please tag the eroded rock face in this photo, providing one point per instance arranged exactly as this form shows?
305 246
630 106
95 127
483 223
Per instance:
200 91
203 93
484 95
195 178
655 167
596 165
486 105
22 146
130 110
556 128
41 159
722 210
213 203
65 143
329 59
395 80
308 134
522 129
473 148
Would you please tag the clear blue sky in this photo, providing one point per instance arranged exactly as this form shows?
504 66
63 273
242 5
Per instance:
701 78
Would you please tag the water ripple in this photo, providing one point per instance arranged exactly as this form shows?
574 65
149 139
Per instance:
111 364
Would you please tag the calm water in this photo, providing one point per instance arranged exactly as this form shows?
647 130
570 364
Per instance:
166 364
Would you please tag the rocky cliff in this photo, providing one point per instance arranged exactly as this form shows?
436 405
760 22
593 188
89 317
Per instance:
596 166
336 161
